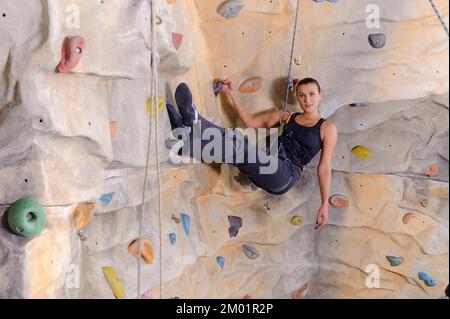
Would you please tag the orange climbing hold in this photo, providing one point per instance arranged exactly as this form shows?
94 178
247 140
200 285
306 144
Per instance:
177 39
146 250
433 170
408 217
82 214
113 128
301 292
338 201
171 1
251 85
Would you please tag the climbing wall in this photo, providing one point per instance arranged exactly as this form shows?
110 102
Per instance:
77 143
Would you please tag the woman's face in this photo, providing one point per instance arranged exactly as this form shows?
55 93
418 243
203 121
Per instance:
309 97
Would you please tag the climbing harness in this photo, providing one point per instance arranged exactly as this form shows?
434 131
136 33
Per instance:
153 108
439 16
289 81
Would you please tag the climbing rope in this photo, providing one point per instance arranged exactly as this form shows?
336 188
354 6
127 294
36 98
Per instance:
439 16
289 81
153 110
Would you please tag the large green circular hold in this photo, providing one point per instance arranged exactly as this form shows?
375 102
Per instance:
26 218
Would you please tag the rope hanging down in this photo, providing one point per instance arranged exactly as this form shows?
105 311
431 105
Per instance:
439 16
153 110
289 81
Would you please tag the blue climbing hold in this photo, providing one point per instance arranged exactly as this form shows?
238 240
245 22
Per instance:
186 221
173 238
428 280
107 198
217 86
220 261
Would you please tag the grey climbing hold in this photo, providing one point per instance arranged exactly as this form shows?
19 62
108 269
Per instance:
377 40
250 251
235 224
217 86
395 261
360 104
230 9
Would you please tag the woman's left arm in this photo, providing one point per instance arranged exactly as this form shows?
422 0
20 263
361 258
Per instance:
324 171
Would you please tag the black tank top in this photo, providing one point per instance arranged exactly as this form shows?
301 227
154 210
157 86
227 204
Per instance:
301 143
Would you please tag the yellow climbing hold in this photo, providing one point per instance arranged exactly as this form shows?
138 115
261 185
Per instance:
297 220
361 152
113 280
82 214
161 104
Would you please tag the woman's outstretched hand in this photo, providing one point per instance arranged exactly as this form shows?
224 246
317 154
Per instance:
322 217
227 86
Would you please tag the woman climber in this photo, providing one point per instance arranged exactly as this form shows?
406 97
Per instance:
304 135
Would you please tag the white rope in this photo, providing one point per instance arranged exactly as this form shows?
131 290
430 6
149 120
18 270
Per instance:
153 110
439 16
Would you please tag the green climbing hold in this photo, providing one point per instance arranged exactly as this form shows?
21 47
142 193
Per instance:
395 261
26 217
297 220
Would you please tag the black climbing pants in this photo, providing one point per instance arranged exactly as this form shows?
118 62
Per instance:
213 144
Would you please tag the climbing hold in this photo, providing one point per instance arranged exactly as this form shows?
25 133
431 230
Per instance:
250 251
338 201
161 105
301 292
177 39
146 250
298 61
217 87
107 198
235 224
72 49
247 297
173 238
171 1
395 261
361 152
82 214
176 219
159 21
113 128
433 170
220 261
377 40
297 220
230 9
114 282
427 279
359 104
408 216
424 202
186 220
251 85
332 1
26 217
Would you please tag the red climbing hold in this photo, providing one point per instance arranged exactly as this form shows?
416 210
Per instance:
176 40
72 49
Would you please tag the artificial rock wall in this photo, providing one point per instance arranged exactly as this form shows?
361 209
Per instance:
77 143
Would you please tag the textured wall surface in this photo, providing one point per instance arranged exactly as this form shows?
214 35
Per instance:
56 146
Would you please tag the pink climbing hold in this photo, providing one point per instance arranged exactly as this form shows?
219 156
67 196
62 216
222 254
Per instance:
338 201
251 85
71 51
408 217
176 40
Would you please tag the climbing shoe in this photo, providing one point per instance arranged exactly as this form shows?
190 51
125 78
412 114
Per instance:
187 108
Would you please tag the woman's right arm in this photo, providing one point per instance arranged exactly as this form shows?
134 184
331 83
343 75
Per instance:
266 120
